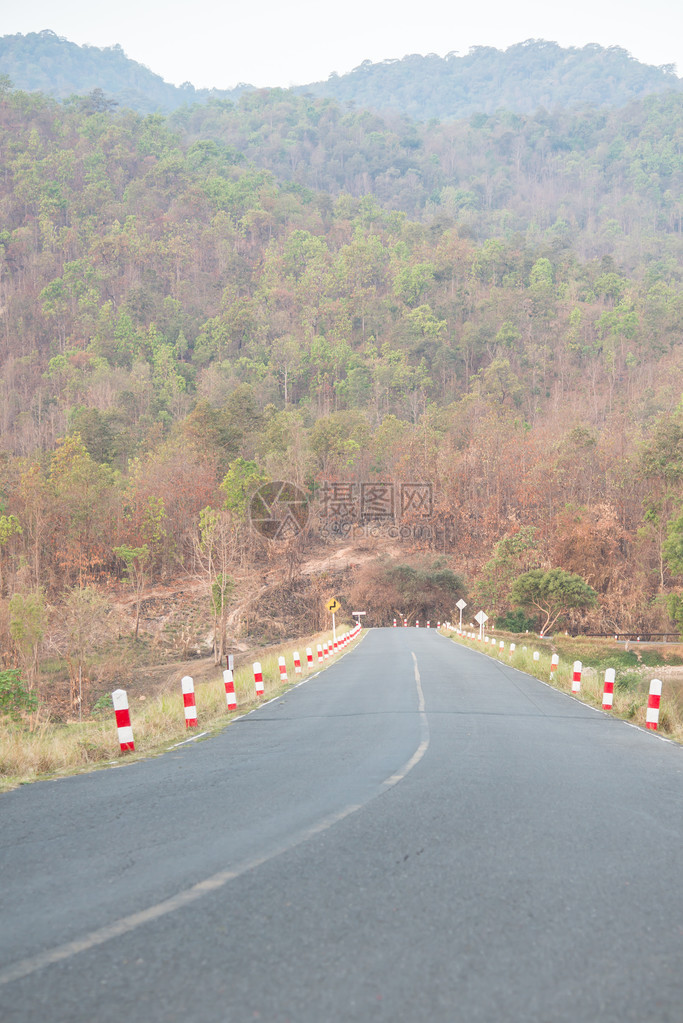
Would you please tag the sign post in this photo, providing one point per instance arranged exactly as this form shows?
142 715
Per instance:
333 606
461 605
481 617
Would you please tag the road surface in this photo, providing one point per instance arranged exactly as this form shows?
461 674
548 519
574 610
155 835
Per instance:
419 833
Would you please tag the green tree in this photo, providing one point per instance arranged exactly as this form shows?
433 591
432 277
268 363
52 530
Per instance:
27 628
135 560
510 556
82 493
552 594
214 546
9 527
243 477
222 588
674 606
672 547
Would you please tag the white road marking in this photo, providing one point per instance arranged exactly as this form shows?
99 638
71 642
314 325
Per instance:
25 967
185 741
424 733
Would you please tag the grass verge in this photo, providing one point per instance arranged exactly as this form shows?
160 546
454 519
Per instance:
41 749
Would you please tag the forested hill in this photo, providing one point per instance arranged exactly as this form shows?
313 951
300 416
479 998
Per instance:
177 322
46 62
591 180
529 75
520 79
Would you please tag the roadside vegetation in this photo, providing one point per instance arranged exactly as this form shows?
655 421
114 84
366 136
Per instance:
33 747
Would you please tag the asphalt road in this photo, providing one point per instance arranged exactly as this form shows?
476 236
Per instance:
419 833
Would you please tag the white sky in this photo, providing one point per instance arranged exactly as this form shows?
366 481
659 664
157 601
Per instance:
212 43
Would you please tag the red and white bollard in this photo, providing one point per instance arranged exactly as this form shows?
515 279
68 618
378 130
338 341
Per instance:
653 701
438 625
309 658
501 645
297 663
554 661
320 653
283 669
417 625
326 650
428 624
258 678
513 647
608 691
394 623
229 683
576 677
405 623
189 701
120 700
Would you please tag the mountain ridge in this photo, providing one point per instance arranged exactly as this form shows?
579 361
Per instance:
527 75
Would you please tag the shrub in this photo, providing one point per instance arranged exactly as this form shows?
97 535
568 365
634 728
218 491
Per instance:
15 698
627 681
617 659
516 621
657 658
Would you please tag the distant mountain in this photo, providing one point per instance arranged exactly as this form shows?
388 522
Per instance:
520 79
529 75
45 62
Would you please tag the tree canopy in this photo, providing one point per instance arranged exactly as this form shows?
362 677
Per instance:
553 594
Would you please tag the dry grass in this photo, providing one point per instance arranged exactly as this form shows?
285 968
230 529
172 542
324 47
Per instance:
630 698
30 751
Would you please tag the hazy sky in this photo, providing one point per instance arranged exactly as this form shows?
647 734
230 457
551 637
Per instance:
212 43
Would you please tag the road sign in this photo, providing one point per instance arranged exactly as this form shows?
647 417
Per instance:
333 605
462 604
481 617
